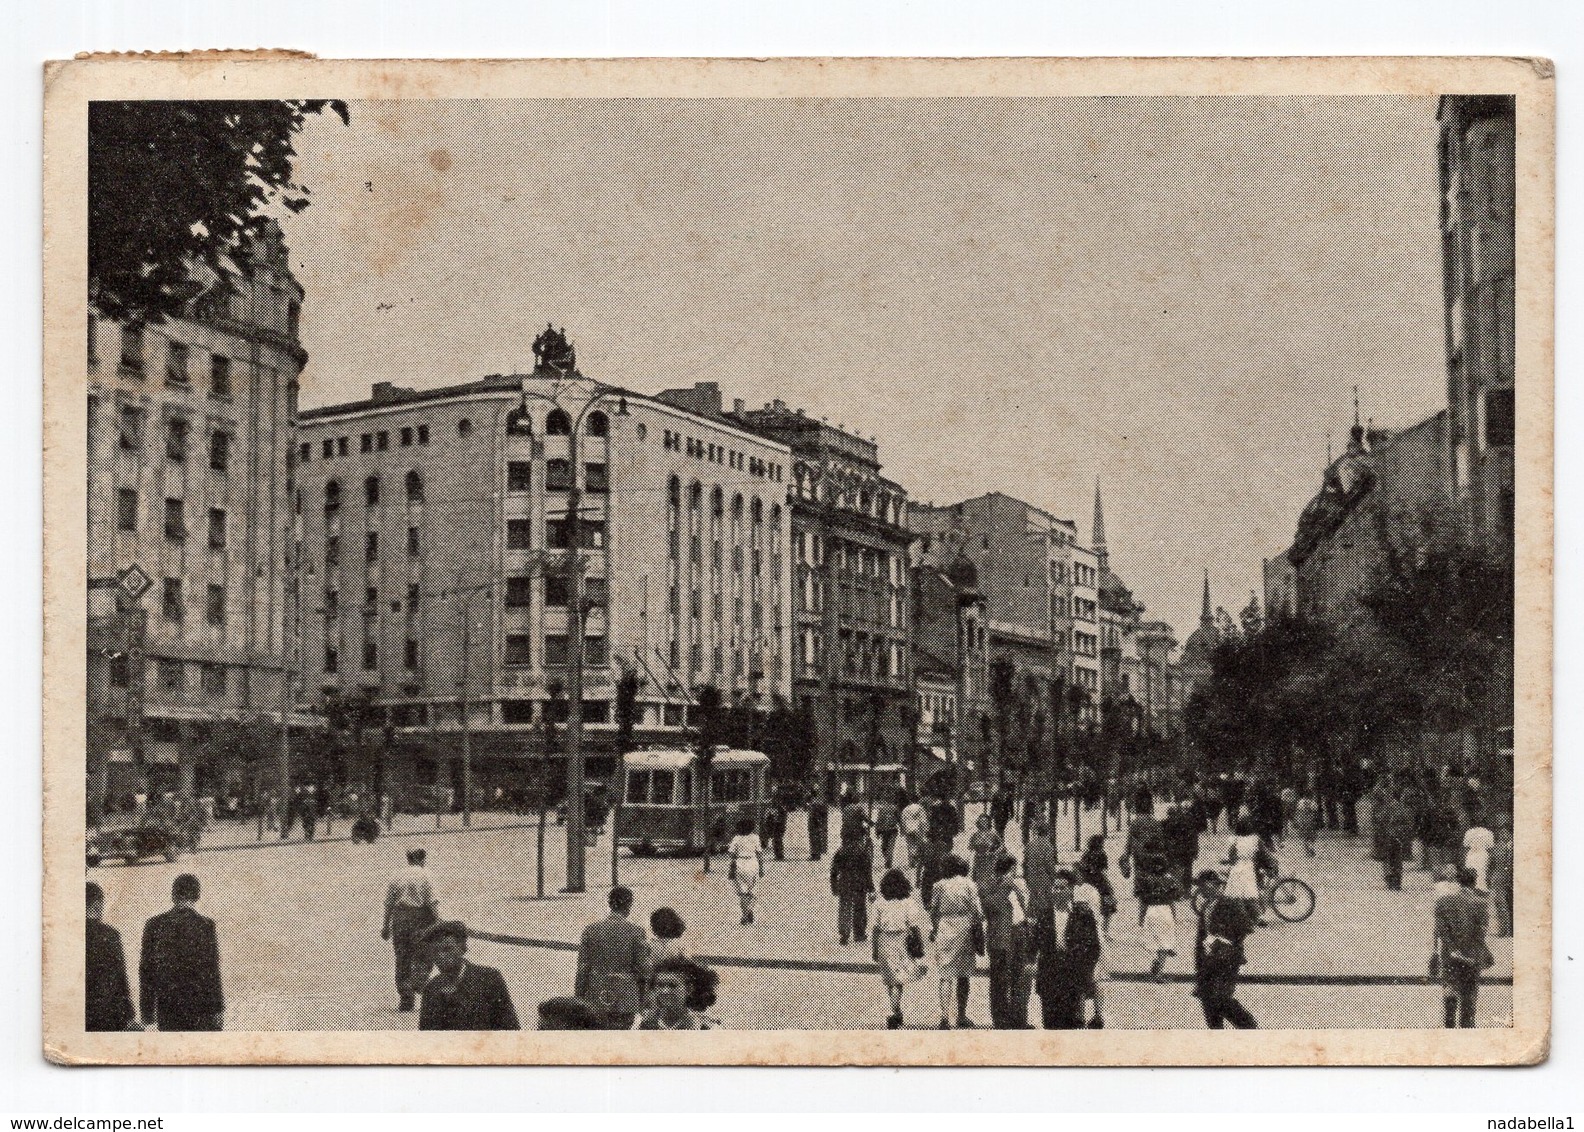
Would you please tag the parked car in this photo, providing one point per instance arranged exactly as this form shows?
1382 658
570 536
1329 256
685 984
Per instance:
130 845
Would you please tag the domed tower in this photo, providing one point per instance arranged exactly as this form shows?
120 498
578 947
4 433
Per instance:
1195 663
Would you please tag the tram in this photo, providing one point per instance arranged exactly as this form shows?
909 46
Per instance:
660 807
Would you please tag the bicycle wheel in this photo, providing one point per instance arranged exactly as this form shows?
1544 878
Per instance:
1292 900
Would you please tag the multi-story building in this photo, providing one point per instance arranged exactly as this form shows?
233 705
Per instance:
437 550
850 583
950 660
189 457
1156 688
1119 619
1478 185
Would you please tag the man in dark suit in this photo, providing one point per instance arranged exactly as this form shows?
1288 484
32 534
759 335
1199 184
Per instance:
613 963
1068 939
107 998
179 970
462 995
1218 955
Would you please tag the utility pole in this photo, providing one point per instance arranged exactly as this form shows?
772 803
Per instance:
576 832
467 733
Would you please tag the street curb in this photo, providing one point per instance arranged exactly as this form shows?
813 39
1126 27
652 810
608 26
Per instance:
1121 977
276 842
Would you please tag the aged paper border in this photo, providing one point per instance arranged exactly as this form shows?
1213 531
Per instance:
68 88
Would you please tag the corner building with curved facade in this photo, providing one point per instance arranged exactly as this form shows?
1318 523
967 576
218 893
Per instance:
435 541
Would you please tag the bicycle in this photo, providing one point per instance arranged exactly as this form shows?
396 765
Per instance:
1290 898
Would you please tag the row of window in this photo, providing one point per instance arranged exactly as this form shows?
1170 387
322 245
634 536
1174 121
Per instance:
519 652
1084 644
1083 575
178 360
558 476
178 433
331 447
128 511
720 454
171 675
173 603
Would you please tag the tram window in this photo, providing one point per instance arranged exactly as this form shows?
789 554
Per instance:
637 786
684 788
732 785
660 788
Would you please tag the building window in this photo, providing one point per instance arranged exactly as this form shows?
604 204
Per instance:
371 492
175 520
381 441
327 450
410 655
423 434
214 607
558 475
220 451
341 446
519 475
370 600
176 433
594 593
171 599
464 428
519 649
1500 426
219 376
592 534
406 437
598 424
217 528
415 488
370 654
558 423
131 427
596 479
371 546
119 671
332 550
519 534
557 534
293 316
555 653
332 659
412 542
366 442
304 452
212 678
175 363
172 675
126 509
332 604
412 596
558 590
519 591
516 711
132 348
673 715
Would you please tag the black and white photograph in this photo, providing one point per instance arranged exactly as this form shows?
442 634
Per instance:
880 561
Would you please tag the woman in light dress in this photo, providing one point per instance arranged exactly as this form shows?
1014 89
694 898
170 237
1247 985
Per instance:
747 865
896 915
1477 845
1243 882
987 848
955 910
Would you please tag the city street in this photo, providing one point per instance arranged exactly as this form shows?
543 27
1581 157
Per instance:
299 931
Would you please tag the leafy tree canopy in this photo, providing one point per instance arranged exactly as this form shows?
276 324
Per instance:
175 183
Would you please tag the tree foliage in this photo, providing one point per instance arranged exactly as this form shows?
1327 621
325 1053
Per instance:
173 183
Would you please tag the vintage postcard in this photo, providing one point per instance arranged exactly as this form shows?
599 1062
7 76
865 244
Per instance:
889 562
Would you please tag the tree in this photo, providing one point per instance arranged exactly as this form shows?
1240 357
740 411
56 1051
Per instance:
1003 706
172 184
626 714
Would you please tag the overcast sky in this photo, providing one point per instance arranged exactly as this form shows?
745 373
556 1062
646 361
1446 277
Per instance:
1017 294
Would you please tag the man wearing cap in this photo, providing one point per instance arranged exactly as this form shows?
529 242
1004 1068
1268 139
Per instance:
410 910
179 966
1218 955
107 998
462 995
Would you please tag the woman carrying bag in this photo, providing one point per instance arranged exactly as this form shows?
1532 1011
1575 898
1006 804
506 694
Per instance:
898 934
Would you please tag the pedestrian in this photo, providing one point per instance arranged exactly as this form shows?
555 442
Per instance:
1478 841
1145 849
179 967
309 813
1182 844
898 940
410 911
945 823
1460 950
107 997
140 801
1306 821
462 995
957 927
1089 896
1501 876
1006 919
680 986
854 819
1001 809
746 866
818 827
1068 942
852 883
568 1013
667 943
914 824
613 963
1039 868
931 866
1094 868
887 822
1243 882
1219 956
774 825
1393 834
1214 804
1158 894
987 848
271 811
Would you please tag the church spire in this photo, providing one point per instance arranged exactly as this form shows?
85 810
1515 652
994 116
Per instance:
1206 618
1098 530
